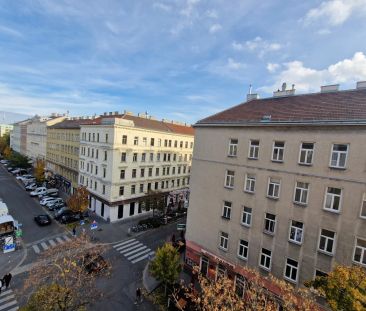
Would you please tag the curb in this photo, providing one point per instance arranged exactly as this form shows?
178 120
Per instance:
144 280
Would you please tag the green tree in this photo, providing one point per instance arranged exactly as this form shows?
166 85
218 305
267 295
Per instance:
344 288
4 142
153 200
18 160
39 169
166 265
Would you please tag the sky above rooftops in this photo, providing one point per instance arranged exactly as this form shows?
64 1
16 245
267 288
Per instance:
175 59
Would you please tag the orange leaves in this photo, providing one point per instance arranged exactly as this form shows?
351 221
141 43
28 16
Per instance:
79 201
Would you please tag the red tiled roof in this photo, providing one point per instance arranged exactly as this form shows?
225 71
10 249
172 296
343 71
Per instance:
334 106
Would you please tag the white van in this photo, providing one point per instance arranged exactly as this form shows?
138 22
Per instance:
38 191
49 192
3 209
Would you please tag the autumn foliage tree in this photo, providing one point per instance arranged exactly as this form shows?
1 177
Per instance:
60 279
344 288
79 200
153 200
4 142
39 170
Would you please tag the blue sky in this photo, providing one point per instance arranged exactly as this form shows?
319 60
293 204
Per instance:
175 59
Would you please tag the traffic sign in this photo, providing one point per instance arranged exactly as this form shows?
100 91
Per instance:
82 222
94 225
9 245
18 233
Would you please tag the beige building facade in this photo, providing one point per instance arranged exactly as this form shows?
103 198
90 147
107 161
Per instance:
18 136
5 128
123 156
279 184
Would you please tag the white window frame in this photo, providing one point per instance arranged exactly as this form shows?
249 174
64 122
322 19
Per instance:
244 247
273 181
339 154
363 253
266 257
253 152
233 147
268 220
224 241
306 152
292 267
279 149
226 209
296 232
363 207
326 243
248 215
249 183
229 179
303 188
332 200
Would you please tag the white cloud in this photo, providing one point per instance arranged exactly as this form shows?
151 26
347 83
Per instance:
10 31
215 28
257 45
211 14
162 6
323 32
189 8
232 64
346 71
334 12
272 67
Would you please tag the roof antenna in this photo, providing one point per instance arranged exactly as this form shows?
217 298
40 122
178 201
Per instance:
250 89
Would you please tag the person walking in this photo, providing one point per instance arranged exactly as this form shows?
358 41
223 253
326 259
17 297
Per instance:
7 279
138 295
74 231
1 285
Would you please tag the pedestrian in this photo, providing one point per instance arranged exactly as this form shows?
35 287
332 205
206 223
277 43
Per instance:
173 238
74 231
84 231
7 279
138 295
1 285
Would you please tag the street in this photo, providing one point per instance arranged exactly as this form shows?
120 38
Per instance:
128 254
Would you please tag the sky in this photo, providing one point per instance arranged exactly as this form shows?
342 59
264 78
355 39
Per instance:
175 59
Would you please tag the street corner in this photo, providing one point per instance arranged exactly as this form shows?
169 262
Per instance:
10 261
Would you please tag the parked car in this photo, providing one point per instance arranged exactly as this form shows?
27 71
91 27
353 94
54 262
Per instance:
38 191
43 220
28 181
53 192
61 212
25 176
20 171
46 200
54 201
31 187
94 263
55 206
10 168
4 161
70 217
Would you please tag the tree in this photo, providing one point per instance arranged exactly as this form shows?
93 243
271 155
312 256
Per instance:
344 288
4 142
79 201
60 280
18 160
153 200
7 152
39 169
166 265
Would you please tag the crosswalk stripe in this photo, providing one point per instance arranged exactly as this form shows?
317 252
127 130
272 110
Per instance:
13 309
7 298
58 239
9 304
139 254
135 251
131 248
123 243
127 245
6 292
52 242
143 257
44 245
66 238
36 249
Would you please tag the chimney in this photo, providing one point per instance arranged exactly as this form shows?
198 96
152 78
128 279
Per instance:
284 91
361 85
329 88
252 96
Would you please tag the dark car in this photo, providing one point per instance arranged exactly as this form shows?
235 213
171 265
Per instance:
67 218
42 220
56 206
94 263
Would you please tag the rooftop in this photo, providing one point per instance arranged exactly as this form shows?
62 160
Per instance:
71 124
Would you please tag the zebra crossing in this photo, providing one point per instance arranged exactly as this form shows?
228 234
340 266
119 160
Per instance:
134 251
8 301
45 245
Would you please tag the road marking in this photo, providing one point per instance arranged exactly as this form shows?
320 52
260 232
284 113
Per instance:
44 245
7 298
66 238
36 249
58 239
139 254
143 257
135 251
13 309
127 245
123 243
131 248
52 242
9 304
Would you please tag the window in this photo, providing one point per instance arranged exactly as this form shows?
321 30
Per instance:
124 139
246 217
270 223
159 142
103 189
150 171
243 249
186 144
265 259
363 206
233 147
96 153
134 157
133 189
274 188
240 285
104 172
132 208
319 273
158 157
333 199
181 144
226 211
253 149
224 240
142 172
306 153
95 185
123 157
229 179
339 156
105 155
143 157
301 193
136 141
141 188
291 270
278 150
151 157
326 241
134 173
360 252
122 174
156 185
249 183
175 144
144 141
121 190
157 171
106 138
296 231
152 141
191 145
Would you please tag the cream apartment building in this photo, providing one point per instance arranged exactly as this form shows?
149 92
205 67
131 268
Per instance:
279 184
18 136
123 156
5 128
